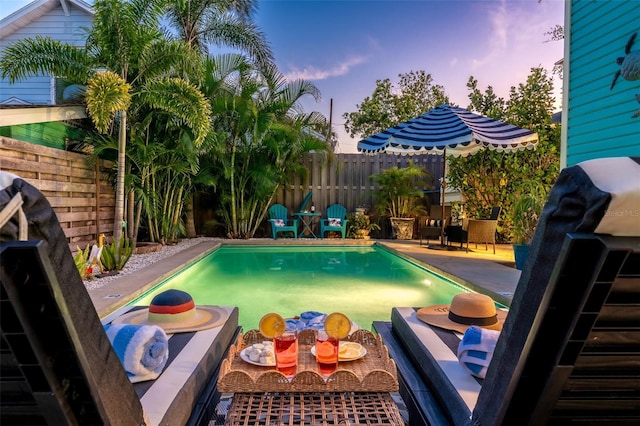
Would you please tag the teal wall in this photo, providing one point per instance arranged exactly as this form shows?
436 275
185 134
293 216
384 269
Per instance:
599 120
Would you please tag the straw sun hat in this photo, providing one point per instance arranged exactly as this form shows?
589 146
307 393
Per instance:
175 311
465 310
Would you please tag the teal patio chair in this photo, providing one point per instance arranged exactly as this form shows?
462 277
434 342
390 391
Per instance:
335 221
280 221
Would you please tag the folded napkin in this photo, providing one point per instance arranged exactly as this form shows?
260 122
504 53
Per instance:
476 349
143 349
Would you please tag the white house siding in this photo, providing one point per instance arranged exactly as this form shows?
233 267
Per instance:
58 26
599 120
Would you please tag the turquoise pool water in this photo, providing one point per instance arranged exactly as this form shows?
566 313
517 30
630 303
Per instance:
364 282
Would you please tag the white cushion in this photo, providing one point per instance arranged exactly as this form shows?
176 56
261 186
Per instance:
333 221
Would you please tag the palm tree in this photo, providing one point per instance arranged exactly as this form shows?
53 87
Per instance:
261 134
200 23
222 23
125 40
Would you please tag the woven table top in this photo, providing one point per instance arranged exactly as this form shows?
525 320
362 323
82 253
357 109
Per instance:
318 409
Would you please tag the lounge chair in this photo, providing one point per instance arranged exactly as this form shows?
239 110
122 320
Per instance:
570 348
58 365
336 220
280 221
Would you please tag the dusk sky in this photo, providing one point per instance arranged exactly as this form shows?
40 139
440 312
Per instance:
343 47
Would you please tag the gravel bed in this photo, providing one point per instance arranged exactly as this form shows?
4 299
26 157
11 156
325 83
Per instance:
139 261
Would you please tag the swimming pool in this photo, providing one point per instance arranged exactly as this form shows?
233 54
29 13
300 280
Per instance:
364 282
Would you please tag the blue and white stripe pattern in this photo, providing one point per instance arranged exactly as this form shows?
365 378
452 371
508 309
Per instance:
476 350
457 130
142 349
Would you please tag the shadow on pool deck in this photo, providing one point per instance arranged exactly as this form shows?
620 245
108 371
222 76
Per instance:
479 269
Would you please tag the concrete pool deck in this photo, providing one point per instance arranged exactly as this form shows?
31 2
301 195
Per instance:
479 269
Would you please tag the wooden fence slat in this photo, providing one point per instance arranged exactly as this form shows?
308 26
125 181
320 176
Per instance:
347 179
69 184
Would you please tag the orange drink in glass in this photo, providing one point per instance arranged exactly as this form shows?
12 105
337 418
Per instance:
286 350
326 353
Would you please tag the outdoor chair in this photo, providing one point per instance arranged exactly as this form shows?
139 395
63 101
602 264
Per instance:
431 226
58 365
336 220
280 221
476 231
569 348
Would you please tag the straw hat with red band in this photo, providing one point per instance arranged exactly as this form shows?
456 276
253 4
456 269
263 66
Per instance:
176 312
465 310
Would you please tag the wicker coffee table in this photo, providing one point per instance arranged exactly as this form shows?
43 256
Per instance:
358 393
313 408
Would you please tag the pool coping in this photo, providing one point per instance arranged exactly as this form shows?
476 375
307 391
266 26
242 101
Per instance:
481 275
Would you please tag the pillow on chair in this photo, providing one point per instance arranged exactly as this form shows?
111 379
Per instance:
278 222
332 221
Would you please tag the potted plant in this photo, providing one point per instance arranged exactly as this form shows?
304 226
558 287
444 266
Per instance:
360 226
401 196
526 211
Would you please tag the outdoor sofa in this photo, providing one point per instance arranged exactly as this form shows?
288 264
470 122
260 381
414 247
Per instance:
58 365
569 349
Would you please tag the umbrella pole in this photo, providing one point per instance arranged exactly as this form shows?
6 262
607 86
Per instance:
443 187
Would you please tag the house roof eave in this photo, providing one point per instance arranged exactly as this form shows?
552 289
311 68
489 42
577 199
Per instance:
34 10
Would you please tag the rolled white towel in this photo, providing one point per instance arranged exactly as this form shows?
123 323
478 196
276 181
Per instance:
143 349
476 349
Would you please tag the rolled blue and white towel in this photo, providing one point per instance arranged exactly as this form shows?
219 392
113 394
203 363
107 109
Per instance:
476 349
143 349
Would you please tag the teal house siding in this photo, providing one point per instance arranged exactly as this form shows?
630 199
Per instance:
600 119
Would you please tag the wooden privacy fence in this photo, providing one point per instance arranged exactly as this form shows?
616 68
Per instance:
346 180
82 198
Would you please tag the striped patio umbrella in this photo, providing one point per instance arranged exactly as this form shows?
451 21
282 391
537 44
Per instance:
447 130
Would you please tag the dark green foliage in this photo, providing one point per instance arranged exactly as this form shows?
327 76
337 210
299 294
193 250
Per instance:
415 94
491 178
401 192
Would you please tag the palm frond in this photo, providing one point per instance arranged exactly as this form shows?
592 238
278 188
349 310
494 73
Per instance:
227 30
42 56
183 100
107 93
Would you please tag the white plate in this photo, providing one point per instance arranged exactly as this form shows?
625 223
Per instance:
363 352
246 358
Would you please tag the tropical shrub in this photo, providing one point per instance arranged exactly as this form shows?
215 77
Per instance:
360 222
114 257
401 190
526 211
80 259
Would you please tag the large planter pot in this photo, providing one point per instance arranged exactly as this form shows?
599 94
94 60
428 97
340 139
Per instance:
362 234
402 227
520 252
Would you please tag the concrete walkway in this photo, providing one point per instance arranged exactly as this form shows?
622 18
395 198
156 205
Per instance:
479 269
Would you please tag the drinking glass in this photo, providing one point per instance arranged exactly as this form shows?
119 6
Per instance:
286 350
326 353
